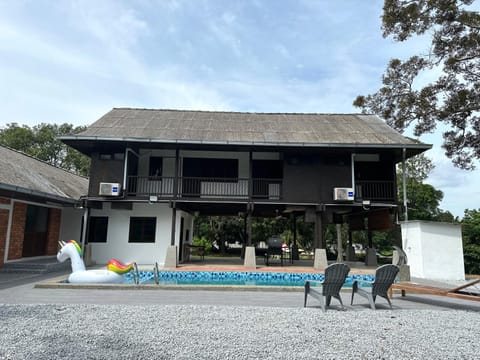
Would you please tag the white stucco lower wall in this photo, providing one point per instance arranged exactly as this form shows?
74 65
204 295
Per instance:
71 227
117 245
434 250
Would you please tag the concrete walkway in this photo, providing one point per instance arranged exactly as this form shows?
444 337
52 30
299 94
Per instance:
18 288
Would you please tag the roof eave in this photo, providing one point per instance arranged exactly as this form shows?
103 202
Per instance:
37 193
69 138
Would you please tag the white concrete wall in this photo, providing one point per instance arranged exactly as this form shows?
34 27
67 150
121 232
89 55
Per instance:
71 227
434 250
117 245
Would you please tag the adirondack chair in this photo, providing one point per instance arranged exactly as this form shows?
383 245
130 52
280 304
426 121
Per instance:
384 278
335 276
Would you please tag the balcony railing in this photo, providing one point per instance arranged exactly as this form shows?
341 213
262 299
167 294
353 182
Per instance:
205 188
148 185
375 190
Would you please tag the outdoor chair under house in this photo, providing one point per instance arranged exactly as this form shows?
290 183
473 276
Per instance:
335 276
384 278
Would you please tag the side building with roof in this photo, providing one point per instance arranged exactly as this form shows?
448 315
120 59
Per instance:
39 205
153 171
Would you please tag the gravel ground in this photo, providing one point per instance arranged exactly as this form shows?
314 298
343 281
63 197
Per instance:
227 332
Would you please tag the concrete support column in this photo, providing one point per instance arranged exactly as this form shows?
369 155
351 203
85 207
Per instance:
171 257
350 248
371 253
320 262
339 243
371 257
250 260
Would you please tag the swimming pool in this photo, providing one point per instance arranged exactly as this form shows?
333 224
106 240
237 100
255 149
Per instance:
245 278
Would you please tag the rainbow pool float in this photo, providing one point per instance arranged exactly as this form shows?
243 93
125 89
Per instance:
112 275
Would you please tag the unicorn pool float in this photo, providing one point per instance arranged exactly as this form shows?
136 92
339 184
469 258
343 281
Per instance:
113 274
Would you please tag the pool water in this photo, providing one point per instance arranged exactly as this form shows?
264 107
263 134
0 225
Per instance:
234 278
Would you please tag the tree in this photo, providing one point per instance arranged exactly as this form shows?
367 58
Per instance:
417 168
452 99
42 142
423 199
471 240
231 229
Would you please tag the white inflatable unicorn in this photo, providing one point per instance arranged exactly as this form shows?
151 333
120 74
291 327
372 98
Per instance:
112 275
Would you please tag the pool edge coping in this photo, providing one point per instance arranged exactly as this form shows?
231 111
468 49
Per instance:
57 283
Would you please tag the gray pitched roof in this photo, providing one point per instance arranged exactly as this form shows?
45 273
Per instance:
25 174
269 129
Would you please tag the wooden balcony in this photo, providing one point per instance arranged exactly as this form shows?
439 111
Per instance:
205 188
375 190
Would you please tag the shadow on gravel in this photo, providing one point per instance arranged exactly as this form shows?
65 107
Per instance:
437 301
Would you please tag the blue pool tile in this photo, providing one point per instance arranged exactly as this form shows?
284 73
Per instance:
236 278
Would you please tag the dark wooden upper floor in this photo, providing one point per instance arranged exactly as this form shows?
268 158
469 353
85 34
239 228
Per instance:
243 157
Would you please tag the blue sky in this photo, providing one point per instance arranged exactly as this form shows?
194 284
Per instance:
72 61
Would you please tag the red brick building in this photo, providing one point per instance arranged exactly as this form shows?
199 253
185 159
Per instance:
38 206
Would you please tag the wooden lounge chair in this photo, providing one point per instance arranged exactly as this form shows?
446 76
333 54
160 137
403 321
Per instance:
384 278
460 292
335 276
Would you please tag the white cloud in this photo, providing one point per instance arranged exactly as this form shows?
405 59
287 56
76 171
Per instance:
71 61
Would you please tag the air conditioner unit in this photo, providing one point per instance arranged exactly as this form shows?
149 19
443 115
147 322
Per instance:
109 189
343 194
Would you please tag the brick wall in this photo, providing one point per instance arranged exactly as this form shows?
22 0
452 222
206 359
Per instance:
4 214
3 233
53 235
17 231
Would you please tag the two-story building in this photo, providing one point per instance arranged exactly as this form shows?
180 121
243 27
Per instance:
154 170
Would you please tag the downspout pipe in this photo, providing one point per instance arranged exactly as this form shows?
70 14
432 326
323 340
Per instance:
353 172
404 183
125 167
86 212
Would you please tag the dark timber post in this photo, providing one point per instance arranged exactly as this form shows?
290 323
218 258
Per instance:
294 245
249 223
173 204
250 178
318 240
250 201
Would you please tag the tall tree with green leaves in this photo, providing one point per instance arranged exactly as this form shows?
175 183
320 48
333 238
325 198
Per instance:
41 142
451 100
471 241
423 199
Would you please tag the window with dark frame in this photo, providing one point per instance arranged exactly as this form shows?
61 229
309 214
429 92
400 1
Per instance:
155 167
97 229
226 169
142 230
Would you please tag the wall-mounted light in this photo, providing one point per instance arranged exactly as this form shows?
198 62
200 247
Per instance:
153 199
366 204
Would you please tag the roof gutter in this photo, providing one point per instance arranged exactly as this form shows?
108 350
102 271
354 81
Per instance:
30 192
245 143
